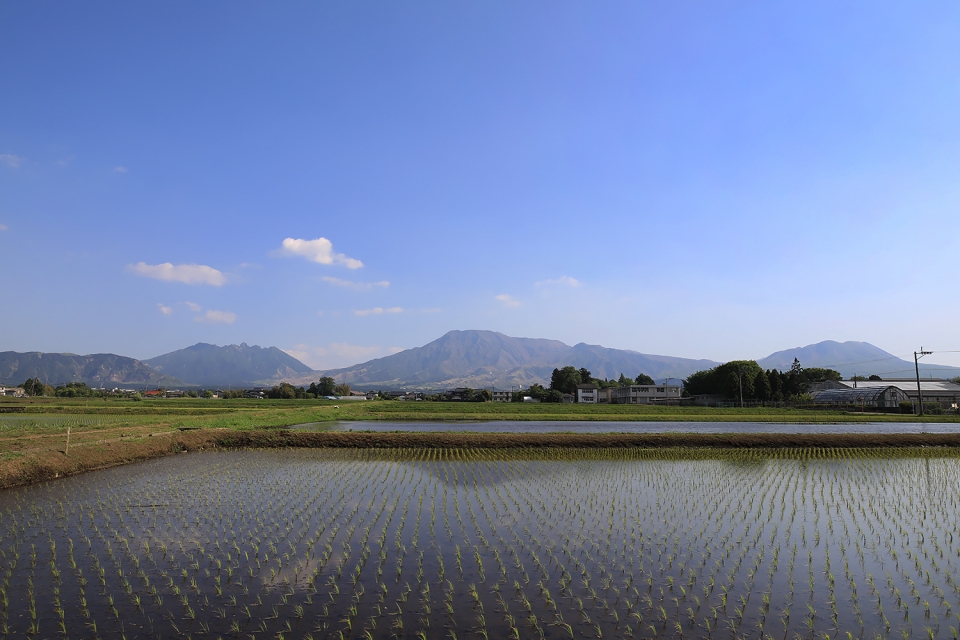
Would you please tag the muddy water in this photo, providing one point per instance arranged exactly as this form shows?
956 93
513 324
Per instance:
360 544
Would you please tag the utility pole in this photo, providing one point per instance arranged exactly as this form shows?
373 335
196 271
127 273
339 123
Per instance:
916 366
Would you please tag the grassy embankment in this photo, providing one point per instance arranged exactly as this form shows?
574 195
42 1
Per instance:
109 432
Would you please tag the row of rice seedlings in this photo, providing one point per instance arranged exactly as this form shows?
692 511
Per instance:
630 544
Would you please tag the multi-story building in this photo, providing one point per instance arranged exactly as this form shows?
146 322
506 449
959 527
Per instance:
647 394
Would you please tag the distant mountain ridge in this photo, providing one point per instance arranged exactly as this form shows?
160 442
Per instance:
210 365
201 365
457 359
854 358
95 370
477 358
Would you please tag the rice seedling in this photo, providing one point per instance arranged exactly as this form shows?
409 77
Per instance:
507 543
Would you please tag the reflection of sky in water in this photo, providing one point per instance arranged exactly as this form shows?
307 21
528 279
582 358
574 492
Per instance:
550 426
252 536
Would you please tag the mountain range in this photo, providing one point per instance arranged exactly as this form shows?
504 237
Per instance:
486 358
96 370
490 359
457 359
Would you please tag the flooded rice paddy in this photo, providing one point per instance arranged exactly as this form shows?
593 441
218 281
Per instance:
482 544
620 426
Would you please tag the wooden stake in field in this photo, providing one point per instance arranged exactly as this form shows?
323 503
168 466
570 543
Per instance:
66 450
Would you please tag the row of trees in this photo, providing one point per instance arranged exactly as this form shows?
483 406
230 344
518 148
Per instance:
730 378
565 380
325 387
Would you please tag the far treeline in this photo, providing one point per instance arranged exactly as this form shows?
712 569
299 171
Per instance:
565 381
746 376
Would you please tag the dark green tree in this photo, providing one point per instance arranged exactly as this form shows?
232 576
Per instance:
33 387
818 374
795 381
700 383
284 391
776 384
585 376
565 380
761 386
875 377
643 378
326 386
624 381
536 391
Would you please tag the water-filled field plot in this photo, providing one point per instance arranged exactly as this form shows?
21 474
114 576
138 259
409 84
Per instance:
469 543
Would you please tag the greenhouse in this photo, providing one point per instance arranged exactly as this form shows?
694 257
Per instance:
880 397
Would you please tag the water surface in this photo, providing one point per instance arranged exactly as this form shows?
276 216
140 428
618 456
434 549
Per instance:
555 426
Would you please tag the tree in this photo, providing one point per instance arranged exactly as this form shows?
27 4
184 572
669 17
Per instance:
342 389
818 374
700 383
33 387
536 391
326 386
795 368
725 379
565 380
285 391
483 395
643 378
776 384
624 381
585 376
875 377
761 386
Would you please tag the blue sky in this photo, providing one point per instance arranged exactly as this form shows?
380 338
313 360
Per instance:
342 180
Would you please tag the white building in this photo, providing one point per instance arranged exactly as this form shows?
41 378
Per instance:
588 393
647 394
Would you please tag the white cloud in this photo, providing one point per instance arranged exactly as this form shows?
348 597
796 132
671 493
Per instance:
165 310
186 273
11 160
508 300
376 311
356 286
194 307
338 354
319 250
563 280
3 227
119 169
216 317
